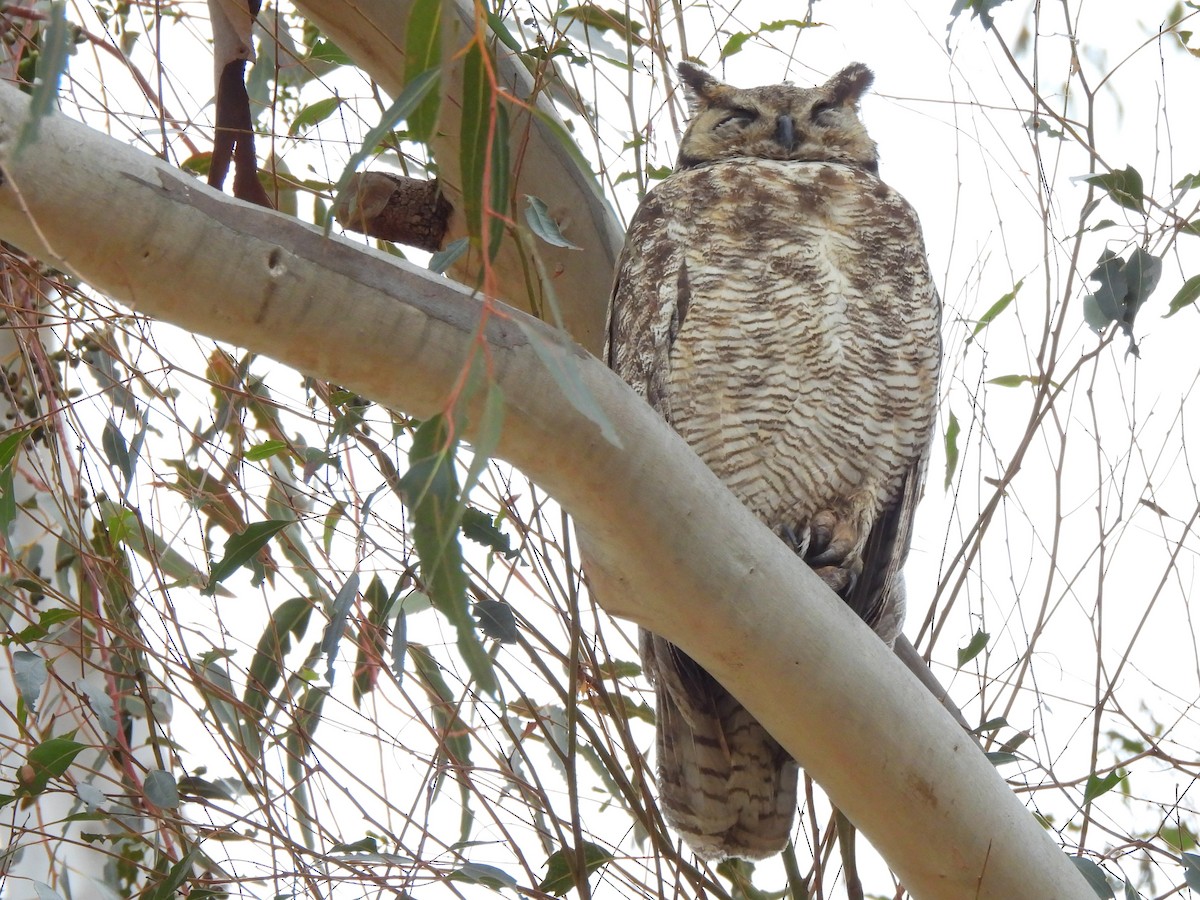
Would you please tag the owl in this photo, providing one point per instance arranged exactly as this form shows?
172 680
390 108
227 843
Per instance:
774 304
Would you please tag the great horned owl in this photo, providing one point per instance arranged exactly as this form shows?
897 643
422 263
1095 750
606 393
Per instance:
773 302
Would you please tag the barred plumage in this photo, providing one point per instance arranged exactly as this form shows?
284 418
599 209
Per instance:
774 304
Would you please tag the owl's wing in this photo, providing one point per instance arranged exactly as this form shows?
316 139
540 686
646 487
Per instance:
649 301
878 595
725 784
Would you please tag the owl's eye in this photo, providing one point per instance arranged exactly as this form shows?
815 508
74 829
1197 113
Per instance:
824 113
737 118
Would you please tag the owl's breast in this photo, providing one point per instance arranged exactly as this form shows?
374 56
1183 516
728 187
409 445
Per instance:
803 364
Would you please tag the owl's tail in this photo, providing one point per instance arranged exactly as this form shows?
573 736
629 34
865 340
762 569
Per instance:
725 784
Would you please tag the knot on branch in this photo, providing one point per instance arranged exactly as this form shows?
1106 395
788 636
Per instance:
409 211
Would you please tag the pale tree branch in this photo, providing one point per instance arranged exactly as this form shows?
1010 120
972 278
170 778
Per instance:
673 549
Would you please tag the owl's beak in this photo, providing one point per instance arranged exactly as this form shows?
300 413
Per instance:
785 132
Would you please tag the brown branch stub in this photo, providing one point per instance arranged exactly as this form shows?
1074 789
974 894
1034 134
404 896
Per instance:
410 211
234 139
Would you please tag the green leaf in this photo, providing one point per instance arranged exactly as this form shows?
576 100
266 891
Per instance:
168 888
448 255
305 719
488 423
336 513
423 53
161 789
127 527
562 364
363 845
480 527
738 39
1094 876
974 647
12 442
1188 182
337 622
195 787
1142 272
326 51
488 876
452 731
1013 744
1187 295
981 8
604 20
1013 380
9 446
501 31
115 449
1124 285
266 667
47 619
1179 837
430 488
57 45
313 114
29 673
483 150
49 759
560 868
242 547
1097 786
951 445
266 450
497 621
996 308
537 215
619 668
1001 758
1124 186
1191 870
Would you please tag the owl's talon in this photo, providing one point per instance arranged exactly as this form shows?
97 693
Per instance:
790 536
821 530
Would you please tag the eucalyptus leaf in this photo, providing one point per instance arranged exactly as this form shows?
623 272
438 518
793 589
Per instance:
29 673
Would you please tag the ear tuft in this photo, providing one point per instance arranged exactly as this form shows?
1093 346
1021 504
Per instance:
851 83
699 86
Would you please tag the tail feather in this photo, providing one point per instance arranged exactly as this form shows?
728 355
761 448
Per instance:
726 785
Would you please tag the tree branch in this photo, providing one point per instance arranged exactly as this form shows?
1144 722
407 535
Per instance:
672 549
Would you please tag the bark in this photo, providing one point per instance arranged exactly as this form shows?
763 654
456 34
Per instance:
674 550
395 208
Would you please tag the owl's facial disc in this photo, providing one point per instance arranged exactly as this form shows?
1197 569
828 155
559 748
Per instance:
778 122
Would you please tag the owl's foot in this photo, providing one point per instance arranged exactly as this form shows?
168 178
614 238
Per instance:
839 539
841 578
827 543
823 540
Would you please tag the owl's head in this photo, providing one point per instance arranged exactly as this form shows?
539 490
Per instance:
778 121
